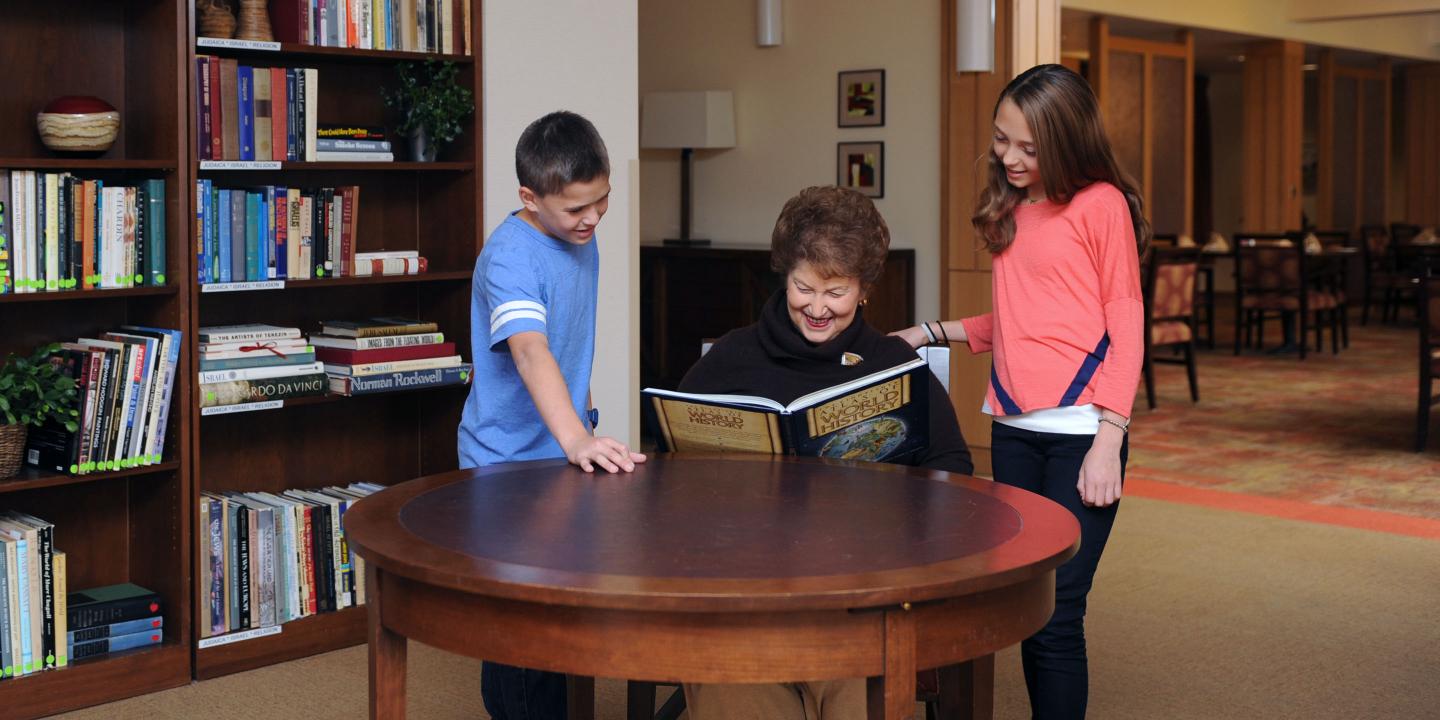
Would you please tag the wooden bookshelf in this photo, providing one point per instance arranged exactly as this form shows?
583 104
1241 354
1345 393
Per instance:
130 525
434 208
139 525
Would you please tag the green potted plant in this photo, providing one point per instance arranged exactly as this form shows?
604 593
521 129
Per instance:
431 106
32 392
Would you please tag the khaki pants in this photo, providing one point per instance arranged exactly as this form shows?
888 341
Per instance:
826 700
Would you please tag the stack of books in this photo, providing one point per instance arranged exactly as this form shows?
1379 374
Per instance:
63 232
386 354
267 559
32 596
255 363
124 381
351 143
113 618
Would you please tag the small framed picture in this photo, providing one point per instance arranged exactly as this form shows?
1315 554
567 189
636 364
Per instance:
862 98
861 166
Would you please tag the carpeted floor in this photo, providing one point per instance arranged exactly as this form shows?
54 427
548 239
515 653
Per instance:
1197 612
1334 430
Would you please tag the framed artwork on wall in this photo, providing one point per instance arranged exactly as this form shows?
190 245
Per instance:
861 98
861 166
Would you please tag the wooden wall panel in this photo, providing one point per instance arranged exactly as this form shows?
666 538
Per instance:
1168 170
1375 148
1146 91
1124 110
1422 144
1344 152
1353 145
967 107
1272 135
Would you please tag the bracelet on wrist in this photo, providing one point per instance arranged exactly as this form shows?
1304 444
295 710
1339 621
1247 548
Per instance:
1125 428
928 332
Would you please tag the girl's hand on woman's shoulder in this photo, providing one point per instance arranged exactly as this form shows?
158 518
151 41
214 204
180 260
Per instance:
913 335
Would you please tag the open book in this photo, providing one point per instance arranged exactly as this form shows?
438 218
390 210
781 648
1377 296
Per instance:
883 416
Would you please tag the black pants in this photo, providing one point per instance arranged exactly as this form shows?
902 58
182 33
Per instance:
512 693
1048 464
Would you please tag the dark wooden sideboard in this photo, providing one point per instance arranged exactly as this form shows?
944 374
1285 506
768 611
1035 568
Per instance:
689 294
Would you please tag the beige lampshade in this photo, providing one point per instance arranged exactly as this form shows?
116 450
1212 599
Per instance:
697 119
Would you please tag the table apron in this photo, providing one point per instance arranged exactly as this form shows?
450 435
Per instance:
668 646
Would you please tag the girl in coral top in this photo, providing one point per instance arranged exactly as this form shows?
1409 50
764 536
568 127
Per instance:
1066 229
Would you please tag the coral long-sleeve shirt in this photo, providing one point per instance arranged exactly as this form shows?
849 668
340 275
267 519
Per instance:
1068 321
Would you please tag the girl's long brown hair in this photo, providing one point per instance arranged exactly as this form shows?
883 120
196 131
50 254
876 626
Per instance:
1072 147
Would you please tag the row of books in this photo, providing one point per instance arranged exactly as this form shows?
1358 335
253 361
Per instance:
255 363
435 26
285 233
265 114
267 559
124 382
32 596
62 232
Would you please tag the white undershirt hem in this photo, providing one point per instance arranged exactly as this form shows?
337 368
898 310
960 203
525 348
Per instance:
1072 420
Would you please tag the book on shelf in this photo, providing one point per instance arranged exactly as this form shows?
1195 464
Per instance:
343 356
881 417
65 232
264 372
375 343
376 327
336 144
394 381
62 609
272 352
116 643
304 356
353 156
249 331
40 538
246 391
392 366
367 133
19 568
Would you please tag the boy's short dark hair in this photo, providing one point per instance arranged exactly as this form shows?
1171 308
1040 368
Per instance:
559 149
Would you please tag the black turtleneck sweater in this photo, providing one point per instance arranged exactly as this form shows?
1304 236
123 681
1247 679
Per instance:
772 359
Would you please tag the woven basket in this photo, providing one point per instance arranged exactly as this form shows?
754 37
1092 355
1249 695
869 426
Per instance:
12 449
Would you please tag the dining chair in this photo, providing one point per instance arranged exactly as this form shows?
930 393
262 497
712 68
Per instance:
1429 307
1169 293
1275 279
1204 326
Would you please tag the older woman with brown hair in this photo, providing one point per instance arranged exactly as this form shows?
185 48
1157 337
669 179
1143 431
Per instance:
830 244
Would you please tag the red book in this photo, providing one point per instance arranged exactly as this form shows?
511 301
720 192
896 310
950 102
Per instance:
202 106
341 356
289 20
349 203
279 110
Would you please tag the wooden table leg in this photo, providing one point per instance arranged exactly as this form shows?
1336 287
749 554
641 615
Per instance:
580 697
387 655
967 690
892 696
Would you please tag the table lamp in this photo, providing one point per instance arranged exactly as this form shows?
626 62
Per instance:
687 120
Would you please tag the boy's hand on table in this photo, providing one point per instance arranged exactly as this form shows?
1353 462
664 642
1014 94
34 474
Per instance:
610 454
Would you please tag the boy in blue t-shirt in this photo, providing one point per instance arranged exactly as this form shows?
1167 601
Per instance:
532 327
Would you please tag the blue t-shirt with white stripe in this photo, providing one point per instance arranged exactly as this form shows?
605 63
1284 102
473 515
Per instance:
526 280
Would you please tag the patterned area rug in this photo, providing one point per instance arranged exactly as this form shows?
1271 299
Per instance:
1332 430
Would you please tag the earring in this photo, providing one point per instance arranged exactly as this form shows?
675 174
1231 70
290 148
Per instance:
864 302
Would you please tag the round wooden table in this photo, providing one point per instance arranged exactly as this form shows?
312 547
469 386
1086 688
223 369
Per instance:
708 568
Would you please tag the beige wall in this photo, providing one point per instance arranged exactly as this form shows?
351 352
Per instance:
785 116
580 56
1402 36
